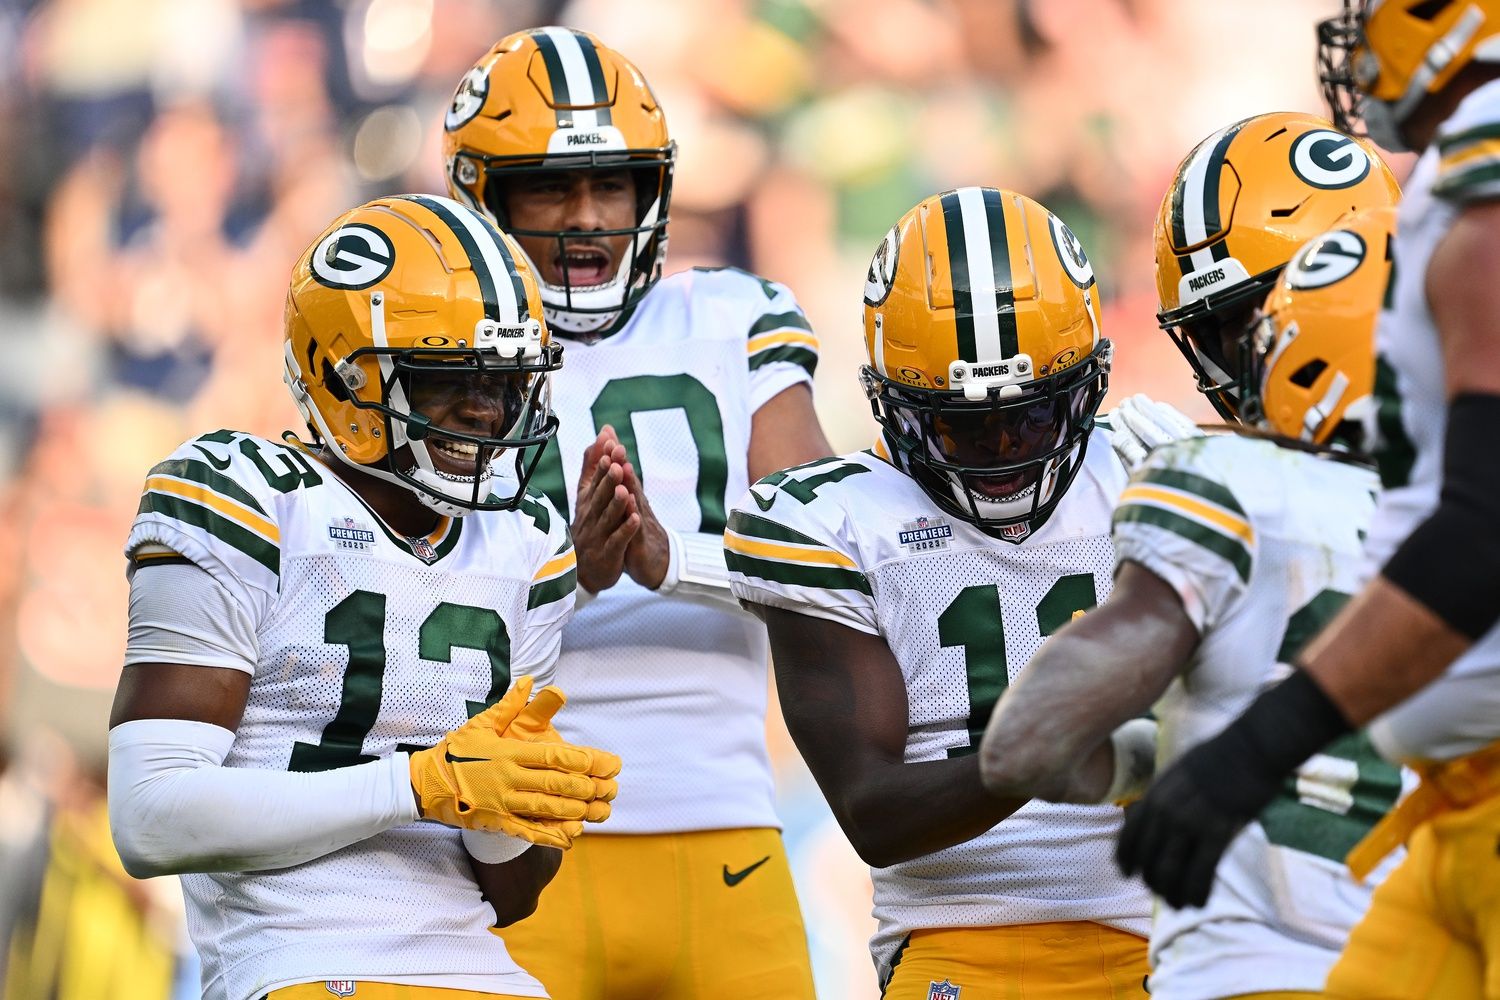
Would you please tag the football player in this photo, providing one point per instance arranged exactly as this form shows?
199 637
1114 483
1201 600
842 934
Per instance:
682 389
1230 551
1240 205
904 587
322 637
1431 82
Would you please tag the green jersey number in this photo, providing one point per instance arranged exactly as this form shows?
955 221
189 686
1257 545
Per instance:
618 403
358 621
973 621
1332 801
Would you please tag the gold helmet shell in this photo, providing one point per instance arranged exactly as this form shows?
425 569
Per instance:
399 290
986 363
558 99
1379 59
1239 206
1314 359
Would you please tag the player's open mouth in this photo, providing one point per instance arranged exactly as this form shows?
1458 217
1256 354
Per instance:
582 266
1011 487
453 458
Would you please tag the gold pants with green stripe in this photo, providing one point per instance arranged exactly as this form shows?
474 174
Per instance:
669 916
1073 960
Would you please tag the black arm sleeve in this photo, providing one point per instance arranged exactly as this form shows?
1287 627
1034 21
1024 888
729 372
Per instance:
1451 562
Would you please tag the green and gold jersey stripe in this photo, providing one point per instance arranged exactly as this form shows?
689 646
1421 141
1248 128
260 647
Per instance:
1199 486
798 346
203 474
215 520
557 578
1478 134
757 547
1232 550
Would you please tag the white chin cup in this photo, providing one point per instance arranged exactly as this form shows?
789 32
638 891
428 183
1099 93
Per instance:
448 495
562 306
1019 506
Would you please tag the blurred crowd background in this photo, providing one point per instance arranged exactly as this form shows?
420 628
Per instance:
163 161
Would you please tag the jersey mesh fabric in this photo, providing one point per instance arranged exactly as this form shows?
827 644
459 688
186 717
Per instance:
1045 862
1283 903
675 687
404 902
1460 712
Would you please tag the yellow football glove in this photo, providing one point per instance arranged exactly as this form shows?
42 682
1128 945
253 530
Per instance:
534 725
479 778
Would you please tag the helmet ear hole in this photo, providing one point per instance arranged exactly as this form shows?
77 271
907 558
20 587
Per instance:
335 383
1304 377
1428 11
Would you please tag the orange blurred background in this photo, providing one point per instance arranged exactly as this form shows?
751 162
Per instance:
163 161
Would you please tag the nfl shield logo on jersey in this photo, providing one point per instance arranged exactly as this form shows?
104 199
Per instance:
943 991
344 987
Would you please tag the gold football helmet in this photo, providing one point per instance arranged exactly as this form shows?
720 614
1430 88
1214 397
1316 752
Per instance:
415 306
1312 370
986 363
1239 206
1378 59
552 99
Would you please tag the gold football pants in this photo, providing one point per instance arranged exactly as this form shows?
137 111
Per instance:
1074 960
1433 928
671 916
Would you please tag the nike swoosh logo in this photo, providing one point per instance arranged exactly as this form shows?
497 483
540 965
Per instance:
448 756
735 878
218 463
763 504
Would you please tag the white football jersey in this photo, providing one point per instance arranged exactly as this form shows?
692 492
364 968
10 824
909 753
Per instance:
676 687
856 541
1460 712
369 643
1263 544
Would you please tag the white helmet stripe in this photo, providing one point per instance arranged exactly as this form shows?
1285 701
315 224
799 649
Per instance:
985 303
580 87
504 294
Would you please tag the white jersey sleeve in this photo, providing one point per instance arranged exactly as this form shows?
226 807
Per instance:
787 551
781 349
1468 167
1178 519
213 501
550 602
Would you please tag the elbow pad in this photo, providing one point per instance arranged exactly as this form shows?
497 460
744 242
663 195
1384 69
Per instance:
1451 562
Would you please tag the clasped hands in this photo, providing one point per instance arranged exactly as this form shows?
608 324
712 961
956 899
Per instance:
508 770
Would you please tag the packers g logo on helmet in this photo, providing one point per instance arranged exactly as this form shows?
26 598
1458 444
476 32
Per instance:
403 303
469 98
1313 363
1240 205
1325 158
986 363
352 257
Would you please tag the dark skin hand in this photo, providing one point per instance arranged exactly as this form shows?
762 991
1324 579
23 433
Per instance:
606 514
616 532
514 888
844 701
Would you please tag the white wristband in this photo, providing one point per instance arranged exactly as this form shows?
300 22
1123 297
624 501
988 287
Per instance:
696 568
1134 744
174 807
493 848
